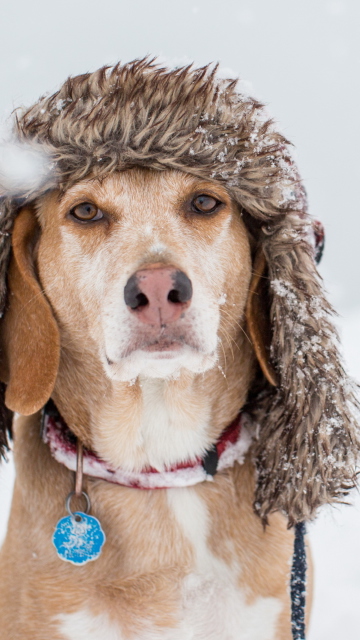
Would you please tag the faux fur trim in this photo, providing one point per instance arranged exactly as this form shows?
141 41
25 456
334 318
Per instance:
140 114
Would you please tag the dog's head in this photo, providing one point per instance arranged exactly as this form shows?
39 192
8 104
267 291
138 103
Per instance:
193 172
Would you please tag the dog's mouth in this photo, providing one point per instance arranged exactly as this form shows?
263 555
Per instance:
159 351
162 347
159 358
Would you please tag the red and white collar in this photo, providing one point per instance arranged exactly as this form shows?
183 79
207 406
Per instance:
231 447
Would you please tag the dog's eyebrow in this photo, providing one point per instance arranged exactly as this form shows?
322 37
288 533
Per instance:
84 189
91 187
217 189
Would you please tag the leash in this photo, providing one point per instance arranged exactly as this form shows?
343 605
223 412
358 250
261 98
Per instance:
298 569
298 583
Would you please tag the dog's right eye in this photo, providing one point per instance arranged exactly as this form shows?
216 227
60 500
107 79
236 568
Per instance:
86 212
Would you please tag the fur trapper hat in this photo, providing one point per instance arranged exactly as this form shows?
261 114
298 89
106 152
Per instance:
140 114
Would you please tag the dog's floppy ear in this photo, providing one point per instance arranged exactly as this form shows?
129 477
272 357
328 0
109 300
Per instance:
30 336
258 317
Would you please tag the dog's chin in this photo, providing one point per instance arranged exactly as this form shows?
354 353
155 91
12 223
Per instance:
166 361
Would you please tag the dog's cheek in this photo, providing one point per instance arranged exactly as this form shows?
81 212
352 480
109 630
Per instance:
222 267
238 269
116 327
73 281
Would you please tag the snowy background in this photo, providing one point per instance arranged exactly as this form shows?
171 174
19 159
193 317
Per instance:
302 57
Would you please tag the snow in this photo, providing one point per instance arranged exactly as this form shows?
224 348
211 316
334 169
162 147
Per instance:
337 8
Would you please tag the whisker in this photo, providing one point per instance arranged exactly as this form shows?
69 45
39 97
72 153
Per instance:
223 350
228 340
232 318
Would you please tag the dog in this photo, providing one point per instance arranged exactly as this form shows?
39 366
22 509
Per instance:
160 290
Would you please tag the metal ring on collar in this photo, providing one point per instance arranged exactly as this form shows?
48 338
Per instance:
68 502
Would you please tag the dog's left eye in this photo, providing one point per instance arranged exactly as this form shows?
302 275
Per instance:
86 212
205 204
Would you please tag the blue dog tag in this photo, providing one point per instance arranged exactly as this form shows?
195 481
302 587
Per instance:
78 538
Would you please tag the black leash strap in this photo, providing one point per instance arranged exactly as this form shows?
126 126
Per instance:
298 584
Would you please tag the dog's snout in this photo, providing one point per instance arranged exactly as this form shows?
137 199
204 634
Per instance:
158 295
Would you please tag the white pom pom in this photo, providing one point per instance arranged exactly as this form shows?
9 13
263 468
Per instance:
23 167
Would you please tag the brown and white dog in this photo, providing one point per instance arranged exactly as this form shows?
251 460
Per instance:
138 300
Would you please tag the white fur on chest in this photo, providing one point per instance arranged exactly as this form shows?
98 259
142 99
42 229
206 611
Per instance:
165 427
211 605
171 431
214 607
84 626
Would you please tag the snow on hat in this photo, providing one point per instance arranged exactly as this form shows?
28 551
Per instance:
140 114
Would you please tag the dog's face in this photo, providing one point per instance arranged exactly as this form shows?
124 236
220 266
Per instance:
123 285
142 269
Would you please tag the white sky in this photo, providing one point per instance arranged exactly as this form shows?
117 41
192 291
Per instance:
302 57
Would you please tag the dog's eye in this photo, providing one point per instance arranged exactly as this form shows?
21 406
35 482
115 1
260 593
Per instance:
86 212
205 204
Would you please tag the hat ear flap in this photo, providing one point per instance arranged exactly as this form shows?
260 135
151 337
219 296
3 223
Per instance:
258 317
308 438
30 335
